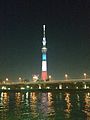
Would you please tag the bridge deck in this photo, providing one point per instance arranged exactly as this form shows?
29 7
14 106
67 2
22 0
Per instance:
49 82
54 84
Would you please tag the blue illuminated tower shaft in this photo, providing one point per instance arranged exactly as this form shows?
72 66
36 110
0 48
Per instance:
44 57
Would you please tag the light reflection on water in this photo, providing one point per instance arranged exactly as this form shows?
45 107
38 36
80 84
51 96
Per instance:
45 105
68 105
87 105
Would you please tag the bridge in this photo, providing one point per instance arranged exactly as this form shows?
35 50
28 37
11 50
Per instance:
73 84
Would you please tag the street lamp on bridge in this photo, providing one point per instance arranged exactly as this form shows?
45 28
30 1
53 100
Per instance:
66 76
6 79
85 75
20 79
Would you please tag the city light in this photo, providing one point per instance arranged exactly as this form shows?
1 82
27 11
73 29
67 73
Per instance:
20 78
66 76
22 88
50 76
85 75
6 79
60 86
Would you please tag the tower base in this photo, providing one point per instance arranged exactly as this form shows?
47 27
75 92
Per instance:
44 75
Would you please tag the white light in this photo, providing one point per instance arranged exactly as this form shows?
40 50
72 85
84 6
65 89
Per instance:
44 41
44 49
8 88
50 76
44 66
88 94
6 79
20 78
60 86
27 95
48 87
66 76
76 87
22 88
44 27
39 86
85 75
88 87
85 86
3 87
27 86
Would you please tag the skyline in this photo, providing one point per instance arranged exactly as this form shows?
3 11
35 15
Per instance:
67 34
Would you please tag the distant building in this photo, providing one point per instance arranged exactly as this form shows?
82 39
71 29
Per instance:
35 78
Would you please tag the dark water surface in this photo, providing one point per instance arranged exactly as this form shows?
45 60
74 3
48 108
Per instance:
54 105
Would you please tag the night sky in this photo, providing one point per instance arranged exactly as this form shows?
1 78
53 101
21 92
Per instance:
67 33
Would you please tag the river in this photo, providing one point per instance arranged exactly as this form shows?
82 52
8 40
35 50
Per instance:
52 105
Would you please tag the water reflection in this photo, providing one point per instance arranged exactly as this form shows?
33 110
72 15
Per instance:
50 104
5 99
18 99
68 105
25 107
45 105
18 105
78 101
33 104
4 105
87 105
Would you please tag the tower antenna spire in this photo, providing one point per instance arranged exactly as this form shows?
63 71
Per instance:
44 31
44 38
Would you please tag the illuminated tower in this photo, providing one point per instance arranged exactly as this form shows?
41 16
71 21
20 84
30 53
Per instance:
44 57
